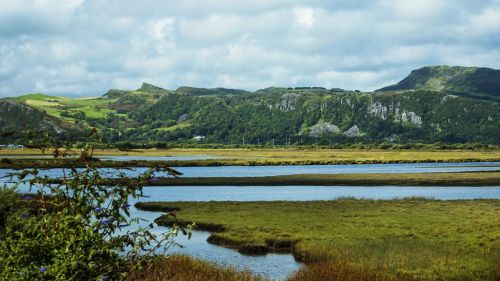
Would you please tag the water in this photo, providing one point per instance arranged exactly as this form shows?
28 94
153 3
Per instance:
261 171
272 266
311 193
160 158
278 266
127 157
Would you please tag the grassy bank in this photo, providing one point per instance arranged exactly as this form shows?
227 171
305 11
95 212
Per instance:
413 238
62 163
408 179
290 156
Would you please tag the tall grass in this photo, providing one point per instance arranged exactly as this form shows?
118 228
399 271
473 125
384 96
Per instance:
343 271
301 156
183 268
411 237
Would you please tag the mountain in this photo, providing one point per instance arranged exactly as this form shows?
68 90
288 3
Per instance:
474 82
16 117
425 107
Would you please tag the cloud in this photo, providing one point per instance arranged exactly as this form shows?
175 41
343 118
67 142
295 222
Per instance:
85 47
304 16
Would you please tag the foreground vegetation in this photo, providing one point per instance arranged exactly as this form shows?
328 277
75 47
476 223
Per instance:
247 157
413 238
76 229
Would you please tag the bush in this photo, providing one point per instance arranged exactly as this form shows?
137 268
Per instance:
8 205
74 230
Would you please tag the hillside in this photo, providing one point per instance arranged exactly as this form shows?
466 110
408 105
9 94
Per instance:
16 117
424 107
474 82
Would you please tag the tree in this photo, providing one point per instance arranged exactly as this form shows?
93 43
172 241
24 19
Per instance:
71 227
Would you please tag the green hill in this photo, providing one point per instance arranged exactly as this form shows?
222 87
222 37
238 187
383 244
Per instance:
17 117
474 82
445 104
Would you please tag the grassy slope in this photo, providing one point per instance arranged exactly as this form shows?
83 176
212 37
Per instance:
431 240
468 81
53 105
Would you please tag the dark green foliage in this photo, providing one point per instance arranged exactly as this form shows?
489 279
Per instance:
423 116
16 116
74 230
8 205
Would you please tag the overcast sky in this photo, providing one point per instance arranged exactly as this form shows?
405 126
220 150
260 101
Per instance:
85 47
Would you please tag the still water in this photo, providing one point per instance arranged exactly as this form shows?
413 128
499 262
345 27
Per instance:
160 158
261 171
271 266
279 266
126 157
311 193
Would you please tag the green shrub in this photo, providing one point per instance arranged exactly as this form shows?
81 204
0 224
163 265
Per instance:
74 230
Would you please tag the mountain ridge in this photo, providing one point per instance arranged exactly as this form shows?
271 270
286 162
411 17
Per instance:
418 112
474 82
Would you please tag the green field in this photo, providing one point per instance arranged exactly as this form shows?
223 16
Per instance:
411 238
91 107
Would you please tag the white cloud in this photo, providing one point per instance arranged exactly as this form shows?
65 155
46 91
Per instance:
418 9
86 47
304 16
162 29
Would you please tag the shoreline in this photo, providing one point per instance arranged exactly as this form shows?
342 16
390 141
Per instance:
245 157
479 178
47 163
485 178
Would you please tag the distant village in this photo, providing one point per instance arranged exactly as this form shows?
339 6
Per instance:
11 146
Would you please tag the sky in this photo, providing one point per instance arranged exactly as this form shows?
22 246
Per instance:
85 47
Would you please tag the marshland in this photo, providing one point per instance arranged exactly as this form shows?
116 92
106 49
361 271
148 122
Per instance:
250 140
416 220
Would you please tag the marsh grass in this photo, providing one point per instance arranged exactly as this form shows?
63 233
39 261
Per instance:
294 156
343 271
183 268
399 179
413 237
